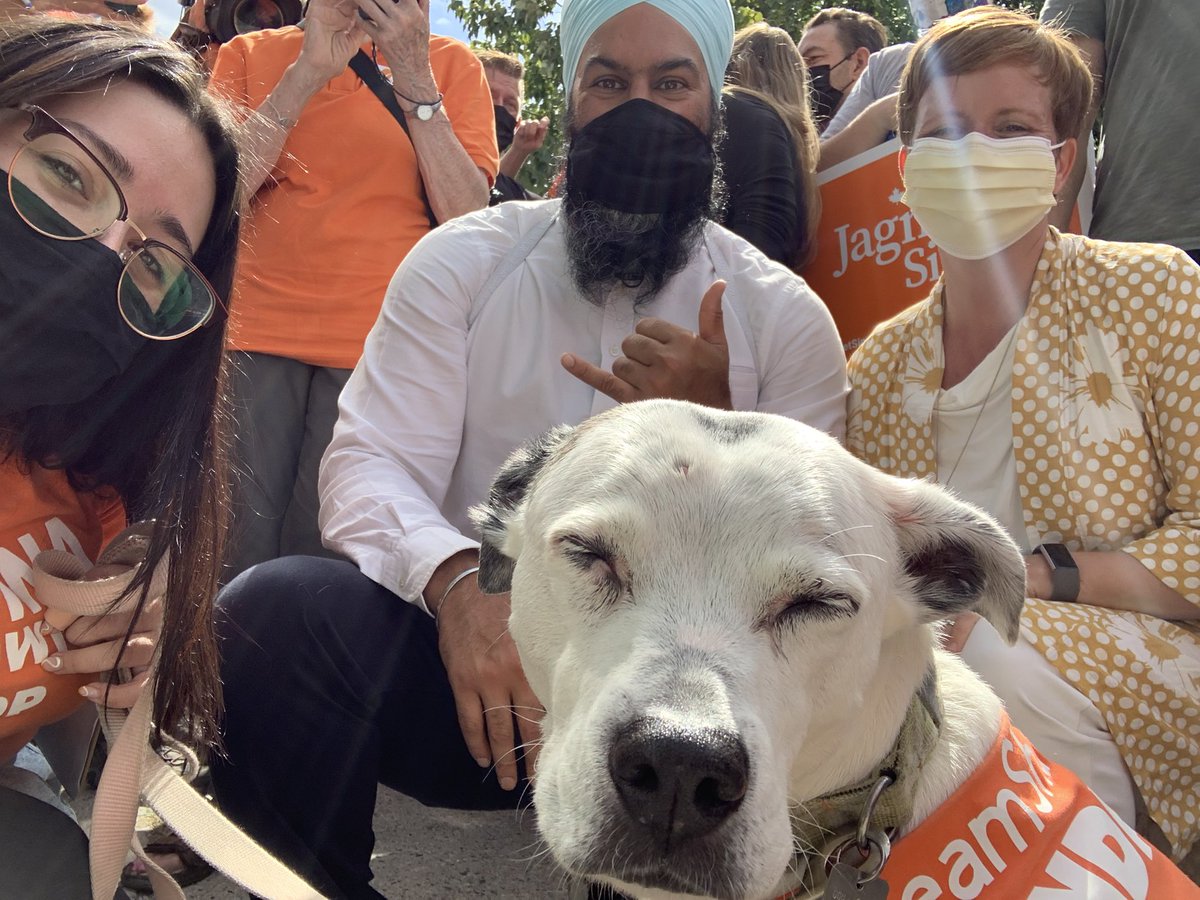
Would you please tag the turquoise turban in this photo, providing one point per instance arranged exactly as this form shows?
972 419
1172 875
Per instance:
709 22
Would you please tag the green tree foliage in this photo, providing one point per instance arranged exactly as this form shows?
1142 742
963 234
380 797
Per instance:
529 30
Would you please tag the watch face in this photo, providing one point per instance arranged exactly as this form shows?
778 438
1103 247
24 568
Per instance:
1059 556
425 112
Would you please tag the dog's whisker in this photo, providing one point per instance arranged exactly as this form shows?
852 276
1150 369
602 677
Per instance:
857 555
536 849
499 638
516 715
834 534
524 745
522 804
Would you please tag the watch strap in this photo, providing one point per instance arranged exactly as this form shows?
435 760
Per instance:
1064 573
432 105
368 72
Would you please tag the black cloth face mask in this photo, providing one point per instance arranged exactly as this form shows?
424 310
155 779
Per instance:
61 334
824 97
640 158
506 125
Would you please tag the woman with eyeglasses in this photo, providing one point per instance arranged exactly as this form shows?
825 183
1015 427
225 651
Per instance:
118 231
1054 381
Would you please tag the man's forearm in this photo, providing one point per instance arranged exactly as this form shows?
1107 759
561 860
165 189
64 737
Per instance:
266 132
511 162
444 575
869 129
453 182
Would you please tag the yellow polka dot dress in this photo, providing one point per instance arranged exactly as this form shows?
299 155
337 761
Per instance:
1106 439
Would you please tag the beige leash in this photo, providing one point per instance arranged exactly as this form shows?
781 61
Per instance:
133 768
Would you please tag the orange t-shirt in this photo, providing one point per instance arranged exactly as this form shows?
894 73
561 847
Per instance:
39 511
322 242
1022 826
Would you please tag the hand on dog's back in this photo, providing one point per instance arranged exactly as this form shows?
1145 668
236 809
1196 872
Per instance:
665 362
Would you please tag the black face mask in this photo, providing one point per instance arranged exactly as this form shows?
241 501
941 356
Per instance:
61 335
824 97
506 124
640 158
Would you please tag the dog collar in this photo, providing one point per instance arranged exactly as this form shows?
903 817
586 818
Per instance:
882 802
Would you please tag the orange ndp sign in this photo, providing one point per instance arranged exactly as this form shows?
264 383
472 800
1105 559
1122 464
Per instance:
873 260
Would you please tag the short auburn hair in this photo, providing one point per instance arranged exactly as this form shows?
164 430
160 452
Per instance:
504 63
855 29
988 36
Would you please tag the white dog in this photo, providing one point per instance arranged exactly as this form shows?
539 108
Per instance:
728 619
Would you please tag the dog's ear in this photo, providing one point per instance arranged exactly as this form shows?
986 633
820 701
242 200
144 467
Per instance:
957 558
499 547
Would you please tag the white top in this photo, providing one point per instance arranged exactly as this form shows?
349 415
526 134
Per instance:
987 474
463 366
880 78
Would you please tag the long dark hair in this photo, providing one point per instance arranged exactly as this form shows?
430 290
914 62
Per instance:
766 65
156 434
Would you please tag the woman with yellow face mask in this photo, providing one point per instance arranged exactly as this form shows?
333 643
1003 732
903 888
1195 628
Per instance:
1052 380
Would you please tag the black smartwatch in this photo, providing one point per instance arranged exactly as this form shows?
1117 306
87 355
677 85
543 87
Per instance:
1064 574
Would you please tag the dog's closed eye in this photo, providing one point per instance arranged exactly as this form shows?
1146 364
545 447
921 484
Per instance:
594 557
816 601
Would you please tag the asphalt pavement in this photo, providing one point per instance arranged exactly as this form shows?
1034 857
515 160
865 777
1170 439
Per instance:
440 854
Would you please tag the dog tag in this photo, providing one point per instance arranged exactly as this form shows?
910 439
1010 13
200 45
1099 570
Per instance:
843 885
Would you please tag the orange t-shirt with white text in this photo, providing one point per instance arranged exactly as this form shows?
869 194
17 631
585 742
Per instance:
1023 827
343 206
40 511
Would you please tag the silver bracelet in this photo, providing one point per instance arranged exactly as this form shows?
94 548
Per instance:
451 586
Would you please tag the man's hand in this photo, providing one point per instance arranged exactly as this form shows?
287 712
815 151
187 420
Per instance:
400 28
487 680
529 136
665 361
95 642
332 34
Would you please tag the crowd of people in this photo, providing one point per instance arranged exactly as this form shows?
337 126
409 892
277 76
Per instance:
291 301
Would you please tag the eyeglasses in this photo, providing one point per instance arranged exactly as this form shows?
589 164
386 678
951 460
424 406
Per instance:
61 190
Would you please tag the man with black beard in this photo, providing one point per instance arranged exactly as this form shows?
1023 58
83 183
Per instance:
619 230
499 325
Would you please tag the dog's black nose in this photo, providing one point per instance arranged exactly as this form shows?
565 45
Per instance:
678 783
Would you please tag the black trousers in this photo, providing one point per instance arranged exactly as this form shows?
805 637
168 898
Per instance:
43 853
334 685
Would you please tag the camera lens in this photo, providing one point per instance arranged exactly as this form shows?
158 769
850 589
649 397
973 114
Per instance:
255 15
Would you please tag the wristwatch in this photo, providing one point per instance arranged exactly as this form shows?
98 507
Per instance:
1064 573
423 109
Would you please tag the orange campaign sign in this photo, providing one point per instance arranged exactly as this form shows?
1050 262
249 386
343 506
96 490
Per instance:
873 260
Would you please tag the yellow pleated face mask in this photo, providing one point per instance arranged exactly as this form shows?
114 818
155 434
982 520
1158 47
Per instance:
977 195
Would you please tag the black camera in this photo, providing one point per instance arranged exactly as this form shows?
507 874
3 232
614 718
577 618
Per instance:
225 19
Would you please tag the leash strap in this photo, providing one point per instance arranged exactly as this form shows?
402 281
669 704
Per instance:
368 72
133 768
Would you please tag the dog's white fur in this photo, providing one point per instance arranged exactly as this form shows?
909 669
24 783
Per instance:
710 524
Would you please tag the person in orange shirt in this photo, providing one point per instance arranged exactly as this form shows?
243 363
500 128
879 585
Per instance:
118 219
338 194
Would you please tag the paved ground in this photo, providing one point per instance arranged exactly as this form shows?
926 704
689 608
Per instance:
437 854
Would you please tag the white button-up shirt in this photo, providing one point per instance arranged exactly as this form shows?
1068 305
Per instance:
463 366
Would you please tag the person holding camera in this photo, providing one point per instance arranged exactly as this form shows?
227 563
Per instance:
338 191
